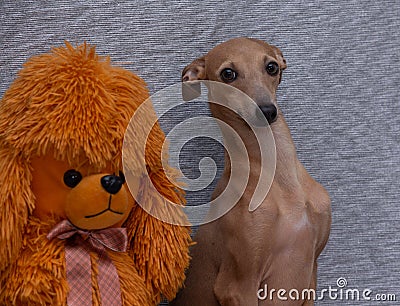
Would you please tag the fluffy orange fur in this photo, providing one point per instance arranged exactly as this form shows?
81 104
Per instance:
76 105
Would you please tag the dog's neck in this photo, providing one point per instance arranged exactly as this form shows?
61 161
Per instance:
287 171
287 164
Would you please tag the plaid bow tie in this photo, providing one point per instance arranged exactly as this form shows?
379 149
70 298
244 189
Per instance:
78 245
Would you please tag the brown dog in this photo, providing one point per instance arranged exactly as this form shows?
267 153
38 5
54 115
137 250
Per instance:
267 256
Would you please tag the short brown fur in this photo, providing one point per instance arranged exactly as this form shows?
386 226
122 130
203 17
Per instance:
278 244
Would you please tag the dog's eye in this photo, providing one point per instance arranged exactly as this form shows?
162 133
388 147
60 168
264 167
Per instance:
228 75
72 178
272 68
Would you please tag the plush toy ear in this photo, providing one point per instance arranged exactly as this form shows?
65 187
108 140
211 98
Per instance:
191 74
159 249
16 203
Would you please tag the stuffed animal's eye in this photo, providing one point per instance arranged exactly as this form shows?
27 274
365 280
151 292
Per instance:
228 75
72 178
272 68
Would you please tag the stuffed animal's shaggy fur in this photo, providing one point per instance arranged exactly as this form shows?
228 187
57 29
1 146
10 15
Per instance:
73 106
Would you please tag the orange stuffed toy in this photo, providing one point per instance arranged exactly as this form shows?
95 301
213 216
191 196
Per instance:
70 230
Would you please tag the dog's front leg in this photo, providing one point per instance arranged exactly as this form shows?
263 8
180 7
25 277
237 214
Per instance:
237 283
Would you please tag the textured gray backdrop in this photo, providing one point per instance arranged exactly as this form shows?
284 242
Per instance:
340 95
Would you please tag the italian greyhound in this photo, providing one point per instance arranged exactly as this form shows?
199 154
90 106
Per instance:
267 256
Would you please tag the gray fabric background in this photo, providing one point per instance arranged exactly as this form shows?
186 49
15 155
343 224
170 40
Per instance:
340 95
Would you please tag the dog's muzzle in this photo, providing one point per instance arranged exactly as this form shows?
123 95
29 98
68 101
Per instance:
270 112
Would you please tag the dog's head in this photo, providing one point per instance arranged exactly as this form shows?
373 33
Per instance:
250 65
62 125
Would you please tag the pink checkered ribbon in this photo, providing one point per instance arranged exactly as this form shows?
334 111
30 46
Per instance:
78 245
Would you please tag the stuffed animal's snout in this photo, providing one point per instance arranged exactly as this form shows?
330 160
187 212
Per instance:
113 183
97 201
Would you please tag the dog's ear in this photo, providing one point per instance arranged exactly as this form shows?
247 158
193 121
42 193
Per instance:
191 75
195 71
281 61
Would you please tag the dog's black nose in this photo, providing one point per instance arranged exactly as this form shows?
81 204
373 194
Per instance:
270 112
112 183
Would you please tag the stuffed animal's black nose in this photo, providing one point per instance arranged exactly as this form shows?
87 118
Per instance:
112 183
270 112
